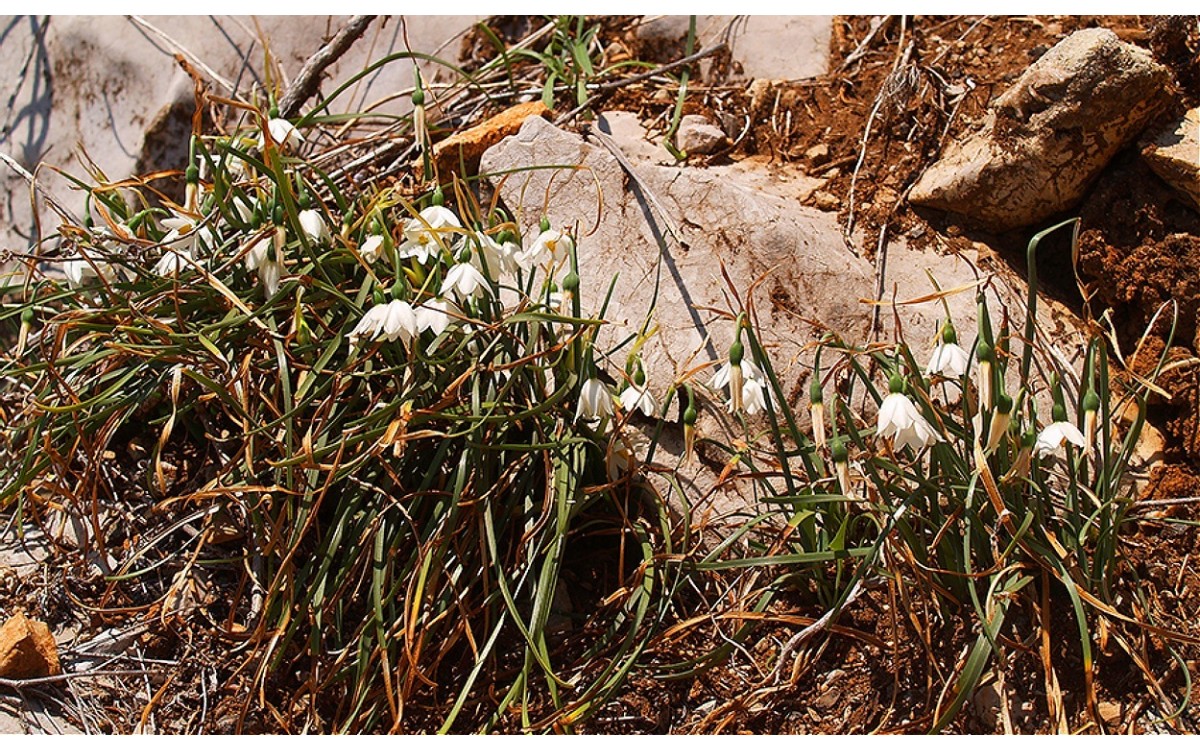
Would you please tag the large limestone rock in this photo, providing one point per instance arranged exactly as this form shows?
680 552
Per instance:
1174 155
740 221
110 86
1050 134
732 218
789 47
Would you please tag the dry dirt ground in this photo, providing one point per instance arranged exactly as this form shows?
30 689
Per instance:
881 670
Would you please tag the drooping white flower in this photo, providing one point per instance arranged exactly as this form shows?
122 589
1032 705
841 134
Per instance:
747 386
173 262
1055 436
269 273
464 281
900 420
82 266
436 315
391 321
314 226
371 248
750 371
266 256
421 233
754 396
624 452
595 401
499 257
549 246
283 133
257 254
949 360
638 397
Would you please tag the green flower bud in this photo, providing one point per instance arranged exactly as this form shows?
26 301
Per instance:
1091 401
192 174
896 384
984 353
689 415
438 198
949 335
571 282
544 224
838 451
736 352
1059 413
400 289
1004 403
815 394
27 316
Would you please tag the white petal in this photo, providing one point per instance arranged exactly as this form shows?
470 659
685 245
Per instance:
313 225
284 133
1053 437
371 248
721 379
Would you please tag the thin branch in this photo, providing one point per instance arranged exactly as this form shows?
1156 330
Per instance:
306 83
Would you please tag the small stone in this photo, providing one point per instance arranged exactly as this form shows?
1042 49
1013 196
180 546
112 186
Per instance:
1110 713
27 649
1174 155
825 200
466 147
697 135
817 155
1046 137
987 702
829 699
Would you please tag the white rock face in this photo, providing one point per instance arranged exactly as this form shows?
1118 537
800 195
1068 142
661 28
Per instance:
98 84
1048 136
1174 155
744 221
789 47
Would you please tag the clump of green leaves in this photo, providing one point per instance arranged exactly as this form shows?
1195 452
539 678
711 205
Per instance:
367 409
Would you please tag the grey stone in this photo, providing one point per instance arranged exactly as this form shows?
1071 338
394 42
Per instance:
696 135
1047 137
790 47
1174 155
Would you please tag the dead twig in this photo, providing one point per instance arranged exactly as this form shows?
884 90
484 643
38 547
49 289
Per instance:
878 24
33 681
605 88
309 78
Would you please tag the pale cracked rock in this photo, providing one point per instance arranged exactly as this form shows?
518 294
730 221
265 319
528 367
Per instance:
1047 137
736 215
743 221
1174 155
696 135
